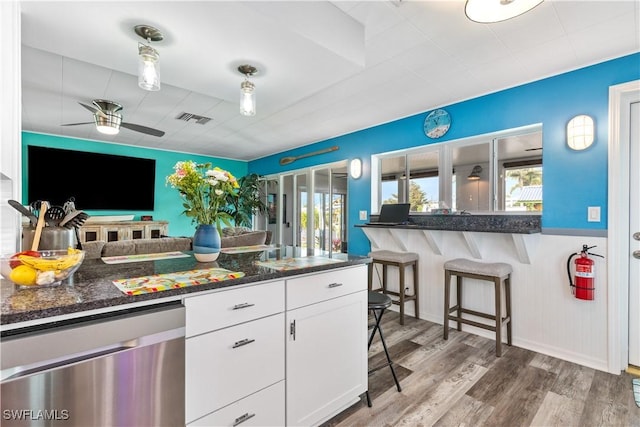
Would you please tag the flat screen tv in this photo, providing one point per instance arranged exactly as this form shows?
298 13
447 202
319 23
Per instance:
95 181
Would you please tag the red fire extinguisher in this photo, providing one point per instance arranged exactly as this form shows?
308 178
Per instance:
585 286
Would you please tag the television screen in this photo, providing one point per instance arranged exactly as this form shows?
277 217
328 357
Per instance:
95 181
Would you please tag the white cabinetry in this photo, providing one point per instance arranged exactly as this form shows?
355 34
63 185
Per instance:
237 339
235 354
326 344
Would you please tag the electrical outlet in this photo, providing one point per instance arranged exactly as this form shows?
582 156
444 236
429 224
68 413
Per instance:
593 214
363 215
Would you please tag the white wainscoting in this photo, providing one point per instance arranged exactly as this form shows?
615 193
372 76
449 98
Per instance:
547 318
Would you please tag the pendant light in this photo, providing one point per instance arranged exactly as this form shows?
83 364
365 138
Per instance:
247 91
149 59
489 11
475 173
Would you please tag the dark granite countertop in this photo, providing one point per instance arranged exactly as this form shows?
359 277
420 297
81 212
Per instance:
516 224
91 287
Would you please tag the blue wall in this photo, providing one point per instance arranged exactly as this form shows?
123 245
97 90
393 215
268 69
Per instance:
572 180
168 205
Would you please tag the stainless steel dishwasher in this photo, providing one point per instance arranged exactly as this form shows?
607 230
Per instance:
116 370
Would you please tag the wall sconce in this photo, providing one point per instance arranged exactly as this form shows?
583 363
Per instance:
489 11
580 132
475 173
247 91
149 58
355 168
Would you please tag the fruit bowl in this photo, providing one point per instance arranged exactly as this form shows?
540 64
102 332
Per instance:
40 268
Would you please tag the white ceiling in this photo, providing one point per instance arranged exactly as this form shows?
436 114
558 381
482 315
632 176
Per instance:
325 68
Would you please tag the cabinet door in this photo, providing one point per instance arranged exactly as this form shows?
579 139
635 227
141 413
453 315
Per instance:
227 365
326 358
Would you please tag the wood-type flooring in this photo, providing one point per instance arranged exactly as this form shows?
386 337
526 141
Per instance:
460 382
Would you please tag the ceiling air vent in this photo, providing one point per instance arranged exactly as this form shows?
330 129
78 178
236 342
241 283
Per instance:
189 116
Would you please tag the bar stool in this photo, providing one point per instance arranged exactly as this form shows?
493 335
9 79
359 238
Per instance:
400 260
377 304
497 273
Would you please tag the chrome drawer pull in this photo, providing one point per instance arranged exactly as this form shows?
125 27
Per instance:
243 418
242 342
243 305
334 285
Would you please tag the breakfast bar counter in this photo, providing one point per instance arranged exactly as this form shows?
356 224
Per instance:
521 231
91 289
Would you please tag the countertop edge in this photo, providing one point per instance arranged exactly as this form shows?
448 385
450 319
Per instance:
33 318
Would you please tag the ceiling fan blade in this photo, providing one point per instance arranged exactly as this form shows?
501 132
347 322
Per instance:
76 124
93 109
142 129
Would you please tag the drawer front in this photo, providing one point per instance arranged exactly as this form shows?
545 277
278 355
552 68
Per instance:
226 365
218 310
318 287
265 408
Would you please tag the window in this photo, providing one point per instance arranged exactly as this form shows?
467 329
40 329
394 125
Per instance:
495 172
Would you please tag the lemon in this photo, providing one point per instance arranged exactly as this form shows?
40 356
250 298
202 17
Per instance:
23 275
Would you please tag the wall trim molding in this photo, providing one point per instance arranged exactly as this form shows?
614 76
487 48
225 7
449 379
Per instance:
587 232
620 98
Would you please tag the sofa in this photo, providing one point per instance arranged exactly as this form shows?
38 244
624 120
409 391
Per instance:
231 237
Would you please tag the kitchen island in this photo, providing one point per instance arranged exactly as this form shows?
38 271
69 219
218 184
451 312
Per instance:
91 290
229 341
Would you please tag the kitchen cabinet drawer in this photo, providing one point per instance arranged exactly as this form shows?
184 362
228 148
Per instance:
264 408
318 287
219 310
226 365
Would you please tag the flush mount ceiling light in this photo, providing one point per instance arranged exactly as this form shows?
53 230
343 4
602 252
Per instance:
475 173
580 132
489 11
149 59
247 91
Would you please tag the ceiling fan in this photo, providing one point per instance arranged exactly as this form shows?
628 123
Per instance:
108 119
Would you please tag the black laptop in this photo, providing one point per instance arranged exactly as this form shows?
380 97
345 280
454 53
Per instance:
393 214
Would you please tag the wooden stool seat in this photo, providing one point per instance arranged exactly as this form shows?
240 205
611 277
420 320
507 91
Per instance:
497 273
400 260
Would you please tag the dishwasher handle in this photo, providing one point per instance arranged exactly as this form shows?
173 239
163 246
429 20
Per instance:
67 362
72 359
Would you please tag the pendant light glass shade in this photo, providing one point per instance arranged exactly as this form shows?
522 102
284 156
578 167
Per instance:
247 91
489 11
148 68
247 98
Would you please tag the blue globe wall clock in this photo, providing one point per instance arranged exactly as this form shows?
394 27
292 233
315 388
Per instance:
437 123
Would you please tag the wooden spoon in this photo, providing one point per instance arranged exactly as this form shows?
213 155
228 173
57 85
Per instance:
36 236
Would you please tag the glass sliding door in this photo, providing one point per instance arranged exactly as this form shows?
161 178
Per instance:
329 205
308 208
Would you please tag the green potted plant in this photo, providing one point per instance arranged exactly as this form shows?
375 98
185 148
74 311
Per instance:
248 201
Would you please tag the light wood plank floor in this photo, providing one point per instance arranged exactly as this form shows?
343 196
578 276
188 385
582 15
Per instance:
460 382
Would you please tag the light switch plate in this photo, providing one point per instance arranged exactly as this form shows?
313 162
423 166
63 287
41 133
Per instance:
593 214
363 215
